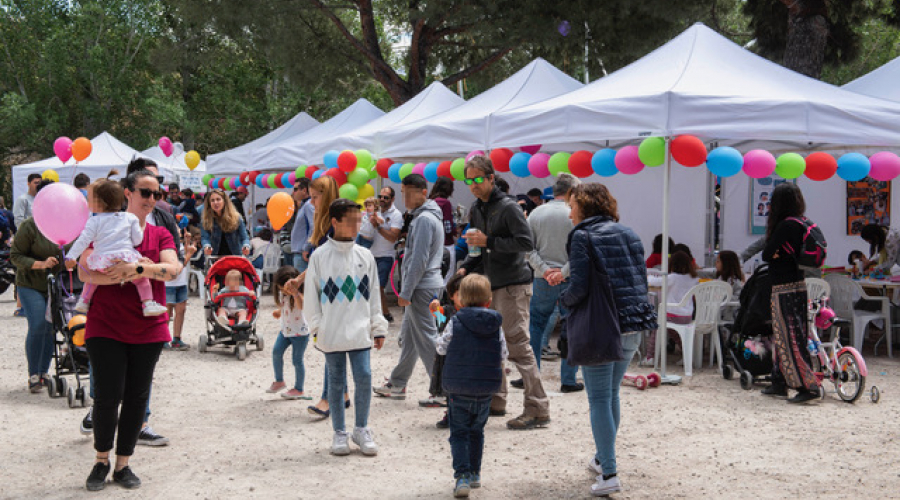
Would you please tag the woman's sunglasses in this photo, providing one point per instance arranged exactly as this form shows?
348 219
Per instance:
147 193
476 180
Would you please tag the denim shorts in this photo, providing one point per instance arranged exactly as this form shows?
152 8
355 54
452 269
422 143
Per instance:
385 264
176 294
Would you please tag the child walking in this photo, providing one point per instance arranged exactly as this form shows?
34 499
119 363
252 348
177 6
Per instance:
344 316
114 235
294 333
475 348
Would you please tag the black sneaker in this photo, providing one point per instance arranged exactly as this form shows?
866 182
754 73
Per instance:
803 397
443 423
578 386
126 478
97 480
389 317
87 423
775 390
149 438
517 383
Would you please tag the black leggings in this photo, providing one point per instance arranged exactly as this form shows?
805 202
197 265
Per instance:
122 374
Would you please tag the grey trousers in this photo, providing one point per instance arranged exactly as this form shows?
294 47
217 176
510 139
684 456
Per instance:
419 334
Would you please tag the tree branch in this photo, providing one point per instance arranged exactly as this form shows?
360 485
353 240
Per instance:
471 70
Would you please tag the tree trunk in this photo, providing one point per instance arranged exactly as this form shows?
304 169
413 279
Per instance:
808 32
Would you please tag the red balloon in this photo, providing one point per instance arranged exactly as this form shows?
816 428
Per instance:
277 179
444 169
347 161
580 164
337 175
310 170
500 158
253 175
245 178
820 166
688 150
382 166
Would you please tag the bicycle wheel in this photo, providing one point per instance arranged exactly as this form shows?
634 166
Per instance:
849 383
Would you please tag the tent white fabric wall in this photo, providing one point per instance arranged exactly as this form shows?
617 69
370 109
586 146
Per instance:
244 157
883 82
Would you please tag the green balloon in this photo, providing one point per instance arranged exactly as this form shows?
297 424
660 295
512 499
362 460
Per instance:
559 163
363 158
270 180
406 169
300 172
652 151
790 166
373 172
458 169
358 177
349 191
207 178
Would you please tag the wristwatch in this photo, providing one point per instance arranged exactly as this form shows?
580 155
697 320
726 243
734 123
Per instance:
139 269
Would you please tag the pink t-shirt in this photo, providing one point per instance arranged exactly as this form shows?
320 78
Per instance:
116 312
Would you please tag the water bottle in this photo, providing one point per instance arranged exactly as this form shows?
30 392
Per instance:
813 347
473 250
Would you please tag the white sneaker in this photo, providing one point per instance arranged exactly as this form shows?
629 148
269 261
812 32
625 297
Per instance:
594 466
81 306
604 487
340 446
363 438
222 321
153 308
646 362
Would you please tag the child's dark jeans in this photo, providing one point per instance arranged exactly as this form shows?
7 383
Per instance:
467 416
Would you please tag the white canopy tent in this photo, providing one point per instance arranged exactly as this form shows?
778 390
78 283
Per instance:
180 172
289 153
883 82
244 157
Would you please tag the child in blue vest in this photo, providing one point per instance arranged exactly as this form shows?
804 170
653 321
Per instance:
475 348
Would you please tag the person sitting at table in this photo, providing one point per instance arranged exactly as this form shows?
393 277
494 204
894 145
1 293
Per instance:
884 247
728 269
681 279
654 260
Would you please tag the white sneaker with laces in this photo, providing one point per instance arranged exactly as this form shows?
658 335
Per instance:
363 438
153 308
604 487
81 306
594 466
340 445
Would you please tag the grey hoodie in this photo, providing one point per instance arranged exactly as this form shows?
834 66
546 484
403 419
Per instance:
424 252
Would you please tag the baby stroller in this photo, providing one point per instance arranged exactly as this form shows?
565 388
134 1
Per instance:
237 336
747 343
69 358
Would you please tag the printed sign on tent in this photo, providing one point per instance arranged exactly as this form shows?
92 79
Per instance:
760 200
868 202
192 181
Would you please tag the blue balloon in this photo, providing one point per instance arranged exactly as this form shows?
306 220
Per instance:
394 173
330 159
285 179
724 161
259 180
604 162
431 171
853 167
183 222
518 164
317 174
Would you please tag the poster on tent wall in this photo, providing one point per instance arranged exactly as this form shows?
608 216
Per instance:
868 202
760 194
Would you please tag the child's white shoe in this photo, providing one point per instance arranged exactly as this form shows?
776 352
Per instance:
363 438
81 306
153 308
222 321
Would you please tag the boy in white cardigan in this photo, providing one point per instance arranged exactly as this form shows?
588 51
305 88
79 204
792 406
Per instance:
343 308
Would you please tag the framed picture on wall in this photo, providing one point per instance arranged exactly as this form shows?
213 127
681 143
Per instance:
868 202
760 195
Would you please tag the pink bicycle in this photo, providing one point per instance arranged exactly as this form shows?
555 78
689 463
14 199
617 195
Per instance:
843 366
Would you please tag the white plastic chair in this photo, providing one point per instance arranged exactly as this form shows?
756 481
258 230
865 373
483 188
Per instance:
711 296
817 288
843 291
271 261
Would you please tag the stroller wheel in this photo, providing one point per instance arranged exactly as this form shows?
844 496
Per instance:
70 397
746 380
727 372
260 343
63 386
52 387
79 395
241 351
202 343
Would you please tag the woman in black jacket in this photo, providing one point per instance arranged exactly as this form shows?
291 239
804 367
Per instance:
605 258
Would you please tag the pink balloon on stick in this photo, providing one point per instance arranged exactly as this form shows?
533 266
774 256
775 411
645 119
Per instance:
534 148
60 212
477 152
539 165
165 144
62 146
759 163
627 160
419 168
885 166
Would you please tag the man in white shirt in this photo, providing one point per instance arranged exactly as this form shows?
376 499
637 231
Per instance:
22 207
387 225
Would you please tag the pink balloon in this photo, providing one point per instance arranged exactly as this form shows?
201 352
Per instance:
419 168
539 165
292 178
62 146
530 149
885 166
165 144
759 163
477 152
627 160
60 212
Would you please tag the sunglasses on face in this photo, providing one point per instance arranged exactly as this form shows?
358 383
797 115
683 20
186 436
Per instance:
476 180
147 193
385 197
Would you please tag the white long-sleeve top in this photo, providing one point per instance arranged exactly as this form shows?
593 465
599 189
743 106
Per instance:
110 232
679 285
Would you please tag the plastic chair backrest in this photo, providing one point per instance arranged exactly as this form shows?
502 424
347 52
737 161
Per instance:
817 288
842 292
711 296
272 257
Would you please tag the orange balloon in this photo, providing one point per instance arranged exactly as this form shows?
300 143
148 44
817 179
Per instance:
81 148
77 324
280 209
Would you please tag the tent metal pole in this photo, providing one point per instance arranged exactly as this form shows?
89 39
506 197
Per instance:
662 332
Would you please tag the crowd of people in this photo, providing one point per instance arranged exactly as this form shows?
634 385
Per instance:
473 297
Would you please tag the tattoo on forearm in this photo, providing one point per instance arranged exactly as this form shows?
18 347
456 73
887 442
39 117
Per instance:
161 274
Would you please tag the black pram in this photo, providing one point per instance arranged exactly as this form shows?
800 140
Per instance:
747 343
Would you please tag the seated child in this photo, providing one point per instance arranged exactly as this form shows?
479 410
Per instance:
728 269
257 245
682 277
233 307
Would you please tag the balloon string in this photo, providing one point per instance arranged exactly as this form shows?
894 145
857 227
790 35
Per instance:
62 284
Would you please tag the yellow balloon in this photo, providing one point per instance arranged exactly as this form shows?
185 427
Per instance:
361 202
192 159
367 191
280 209
50 175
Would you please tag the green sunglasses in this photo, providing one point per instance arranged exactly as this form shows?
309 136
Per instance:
476 180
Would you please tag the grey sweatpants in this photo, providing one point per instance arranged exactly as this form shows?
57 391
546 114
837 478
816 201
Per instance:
419 334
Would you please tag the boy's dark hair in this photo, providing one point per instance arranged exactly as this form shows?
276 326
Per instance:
340 207
501 184
265 234
282 276
681 263
854 255
535 192
453 284
32 177
415 180
187 192
173 187
81 180
44 183
259 206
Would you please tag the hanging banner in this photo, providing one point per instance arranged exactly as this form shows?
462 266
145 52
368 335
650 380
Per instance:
868 202
192 181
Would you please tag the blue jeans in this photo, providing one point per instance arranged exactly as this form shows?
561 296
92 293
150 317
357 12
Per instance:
551 325
544 301
385 264
299 263
467 416
602 384
40 337
298 347
337 380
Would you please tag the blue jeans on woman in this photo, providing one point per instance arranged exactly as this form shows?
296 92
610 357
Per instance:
602 386
543 304
298 347
40 338
336 363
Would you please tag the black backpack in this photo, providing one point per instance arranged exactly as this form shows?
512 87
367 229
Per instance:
814 248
